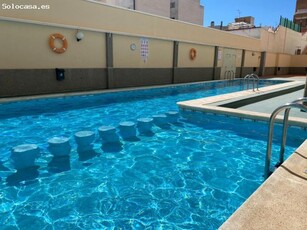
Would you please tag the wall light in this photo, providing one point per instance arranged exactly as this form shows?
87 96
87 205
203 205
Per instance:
79 35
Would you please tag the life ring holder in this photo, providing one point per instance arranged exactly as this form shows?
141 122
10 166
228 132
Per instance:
60 50
193 53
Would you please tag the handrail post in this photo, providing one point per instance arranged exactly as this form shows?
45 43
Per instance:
284 136
269 146
299 103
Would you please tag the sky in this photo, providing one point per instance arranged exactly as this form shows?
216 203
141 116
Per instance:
265 12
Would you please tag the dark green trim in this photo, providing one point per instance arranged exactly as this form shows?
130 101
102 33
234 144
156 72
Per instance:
185 75
109 58
109 50
262 63
269 71
215 61
298 70
134 77
282 70
242 64
175 59
26 82
261 97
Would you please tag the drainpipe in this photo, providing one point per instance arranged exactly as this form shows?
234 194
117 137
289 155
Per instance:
133 4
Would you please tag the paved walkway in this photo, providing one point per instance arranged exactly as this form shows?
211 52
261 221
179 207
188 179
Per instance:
269 105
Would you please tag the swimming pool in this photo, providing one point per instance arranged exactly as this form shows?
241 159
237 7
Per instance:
192 174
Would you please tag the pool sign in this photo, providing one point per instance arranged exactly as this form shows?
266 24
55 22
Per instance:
144 49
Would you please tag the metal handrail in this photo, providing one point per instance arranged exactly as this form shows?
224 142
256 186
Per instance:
229 75
287 107
254 77
233 75
225 74
247 78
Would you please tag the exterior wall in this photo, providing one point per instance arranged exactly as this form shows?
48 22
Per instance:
157 7
283 64
298 64
160 53
199 69
131 70
254 32
121 3
271 63
25 46
273 41
290 42
190 11
271 60
252 59
103 18
284 60
204 55
283 40
104 58
28 64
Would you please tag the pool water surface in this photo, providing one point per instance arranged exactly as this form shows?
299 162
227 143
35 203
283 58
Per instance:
190 174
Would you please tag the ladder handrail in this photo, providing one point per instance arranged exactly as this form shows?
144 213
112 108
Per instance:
255 79
255 75
229 75
233 74
287 107
247 78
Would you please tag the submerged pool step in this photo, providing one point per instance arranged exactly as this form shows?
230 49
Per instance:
23 156
84 140
59 146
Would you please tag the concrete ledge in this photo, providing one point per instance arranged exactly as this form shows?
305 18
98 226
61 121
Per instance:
211 104
280 202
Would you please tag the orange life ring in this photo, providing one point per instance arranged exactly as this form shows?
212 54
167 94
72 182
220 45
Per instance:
52 46
192 53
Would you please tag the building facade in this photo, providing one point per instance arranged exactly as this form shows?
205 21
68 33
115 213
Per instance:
123 48
300 16
187 10
183 10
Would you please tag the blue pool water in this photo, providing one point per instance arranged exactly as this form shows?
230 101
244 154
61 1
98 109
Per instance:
192 174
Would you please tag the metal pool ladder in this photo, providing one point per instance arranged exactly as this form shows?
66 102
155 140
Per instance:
254 77
229 75
299 104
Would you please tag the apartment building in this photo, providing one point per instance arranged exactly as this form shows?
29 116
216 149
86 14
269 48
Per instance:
187 10
184 10
300 16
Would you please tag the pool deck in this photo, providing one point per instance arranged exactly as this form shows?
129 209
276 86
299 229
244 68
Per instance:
213 104
281 201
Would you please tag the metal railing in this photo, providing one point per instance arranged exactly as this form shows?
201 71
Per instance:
229 75
299 103
255 80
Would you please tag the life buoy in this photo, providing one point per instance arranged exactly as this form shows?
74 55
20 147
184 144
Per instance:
64 43
192 54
